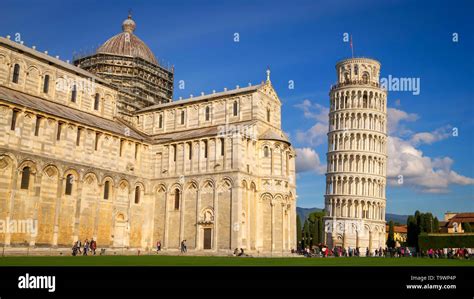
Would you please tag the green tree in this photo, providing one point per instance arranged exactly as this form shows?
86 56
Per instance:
306 234
412 231
436 225
466 227
391 235
299 231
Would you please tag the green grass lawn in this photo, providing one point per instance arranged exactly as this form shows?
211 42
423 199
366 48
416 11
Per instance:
222 261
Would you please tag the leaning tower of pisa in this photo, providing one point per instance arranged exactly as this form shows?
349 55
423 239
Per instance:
357 157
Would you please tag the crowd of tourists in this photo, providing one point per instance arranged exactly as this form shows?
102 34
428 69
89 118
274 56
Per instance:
322 250
87 247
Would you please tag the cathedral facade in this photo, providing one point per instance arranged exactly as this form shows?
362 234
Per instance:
99 149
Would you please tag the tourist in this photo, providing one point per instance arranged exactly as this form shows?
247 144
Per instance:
86 246
367 252
93 246
78 245
74 249
158 246
185 246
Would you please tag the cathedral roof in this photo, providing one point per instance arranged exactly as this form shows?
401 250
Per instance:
271 134
204 97
68 113
127 43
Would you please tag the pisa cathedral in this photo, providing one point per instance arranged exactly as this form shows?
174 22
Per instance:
357 157
99 149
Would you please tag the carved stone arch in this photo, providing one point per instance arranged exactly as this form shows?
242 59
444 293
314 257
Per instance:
206 215
278 197
7 159
224 185
108 178
253 186
245 185
30 163
141 185
90 177
192 185
161 188
51 171
175 186
120 216
73 171
208 185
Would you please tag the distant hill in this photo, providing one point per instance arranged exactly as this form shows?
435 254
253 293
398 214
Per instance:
402 219
304 212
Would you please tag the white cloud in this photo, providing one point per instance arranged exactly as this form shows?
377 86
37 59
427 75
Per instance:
419 171
430 137
395 116
317 134
308 160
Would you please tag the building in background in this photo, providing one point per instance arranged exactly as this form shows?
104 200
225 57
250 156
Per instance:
100 150
399 234
456 222
357 157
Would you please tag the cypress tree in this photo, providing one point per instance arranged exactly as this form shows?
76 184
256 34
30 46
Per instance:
298 230
391 235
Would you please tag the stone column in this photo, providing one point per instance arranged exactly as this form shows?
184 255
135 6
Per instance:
198 208
11 202
36 199
216 220
57 211
165 225
236 208
77 214
181 214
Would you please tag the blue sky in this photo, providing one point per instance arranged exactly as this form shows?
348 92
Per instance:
301 41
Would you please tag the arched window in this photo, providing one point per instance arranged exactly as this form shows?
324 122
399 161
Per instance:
96 101
74 93
356 70
160 121
69 180
14 117
46 84
222 146
208 113
137 194
205 149
25 178
266 152
106 189
176 199
16 73
365 78
235 108
182 117
268 114
346 77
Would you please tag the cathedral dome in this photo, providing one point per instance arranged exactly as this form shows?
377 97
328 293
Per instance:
128 44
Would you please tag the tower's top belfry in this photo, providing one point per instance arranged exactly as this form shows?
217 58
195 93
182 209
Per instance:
358 71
